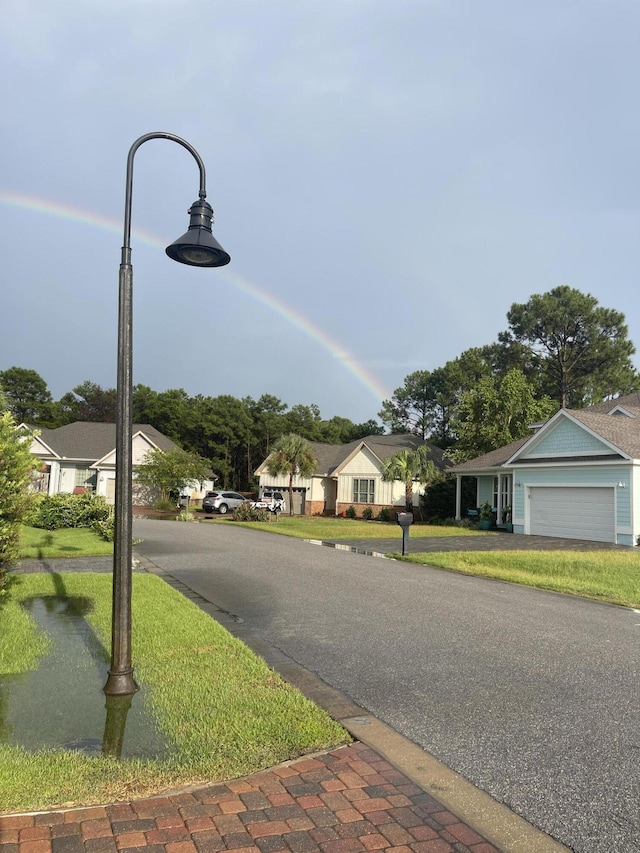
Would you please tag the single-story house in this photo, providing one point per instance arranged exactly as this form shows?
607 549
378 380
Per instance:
577 476
81 457
351 475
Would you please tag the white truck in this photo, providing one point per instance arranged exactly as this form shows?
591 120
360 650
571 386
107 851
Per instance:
270 499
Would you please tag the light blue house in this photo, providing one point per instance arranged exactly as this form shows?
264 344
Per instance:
577 476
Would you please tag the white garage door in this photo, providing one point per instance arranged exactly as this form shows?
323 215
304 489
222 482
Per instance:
581 513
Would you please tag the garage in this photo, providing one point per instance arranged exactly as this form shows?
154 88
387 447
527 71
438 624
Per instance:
573 513
299 496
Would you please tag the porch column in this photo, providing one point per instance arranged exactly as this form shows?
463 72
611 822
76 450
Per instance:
458 496
499 506
54 478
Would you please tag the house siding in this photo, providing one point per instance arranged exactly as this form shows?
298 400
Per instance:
362 466
635 505
567 439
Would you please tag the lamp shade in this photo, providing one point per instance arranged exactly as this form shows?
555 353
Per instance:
198 247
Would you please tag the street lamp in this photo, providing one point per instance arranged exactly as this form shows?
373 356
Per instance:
198 248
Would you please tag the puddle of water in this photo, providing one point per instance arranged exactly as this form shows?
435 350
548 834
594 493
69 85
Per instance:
61 704
341 547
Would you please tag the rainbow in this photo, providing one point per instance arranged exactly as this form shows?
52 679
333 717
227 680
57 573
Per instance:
87 217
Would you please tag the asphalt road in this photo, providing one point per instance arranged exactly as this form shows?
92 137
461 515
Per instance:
532 696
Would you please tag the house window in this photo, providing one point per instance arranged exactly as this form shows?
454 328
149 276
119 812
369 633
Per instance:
504 499
364 491
85 478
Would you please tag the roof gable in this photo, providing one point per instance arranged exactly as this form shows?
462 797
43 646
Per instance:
562 436
361 460
141 444
627 401
40 448
624 411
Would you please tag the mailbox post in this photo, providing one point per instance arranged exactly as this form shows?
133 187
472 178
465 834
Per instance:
405 520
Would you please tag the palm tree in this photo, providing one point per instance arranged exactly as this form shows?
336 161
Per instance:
409 466
294 456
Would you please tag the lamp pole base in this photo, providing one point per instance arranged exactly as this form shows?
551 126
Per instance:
120 683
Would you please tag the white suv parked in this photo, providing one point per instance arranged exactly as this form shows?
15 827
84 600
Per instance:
271 499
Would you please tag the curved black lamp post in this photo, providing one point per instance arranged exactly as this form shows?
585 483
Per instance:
198 248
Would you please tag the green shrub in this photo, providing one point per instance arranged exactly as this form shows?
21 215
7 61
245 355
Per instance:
384 514
351 512
185 515
57 511
245 512
16 467
367 513
105 528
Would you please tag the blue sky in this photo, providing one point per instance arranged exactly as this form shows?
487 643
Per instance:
387 176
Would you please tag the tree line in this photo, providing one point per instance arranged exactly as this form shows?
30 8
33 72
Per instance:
560 349
234 435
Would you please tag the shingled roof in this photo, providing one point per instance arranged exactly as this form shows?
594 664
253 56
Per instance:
621 431
628 401
493 459
85 440
331 456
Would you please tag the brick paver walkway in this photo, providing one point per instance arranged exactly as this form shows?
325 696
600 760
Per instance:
348 800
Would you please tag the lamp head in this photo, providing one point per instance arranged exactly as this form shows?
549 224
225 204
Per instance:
198 247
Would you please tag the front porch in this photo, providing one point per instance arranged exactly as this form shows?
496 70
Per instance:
493 488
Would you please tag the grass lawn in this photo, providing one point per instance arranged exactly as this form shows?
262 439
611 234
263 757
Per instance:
318 527
224 712
38 544
612 576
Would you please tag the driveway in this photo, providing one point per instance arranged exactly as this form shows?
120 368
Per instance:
530 695
498 541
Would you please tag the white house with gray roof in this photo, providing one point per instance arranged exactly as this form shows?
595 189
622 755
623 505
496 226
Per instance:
577 476
351 475
81 457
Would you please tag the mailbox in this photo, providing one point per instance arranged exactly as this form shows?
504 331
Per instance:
405 520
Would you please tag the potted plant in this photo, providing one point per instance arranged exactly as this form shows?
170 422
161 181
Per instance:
486 516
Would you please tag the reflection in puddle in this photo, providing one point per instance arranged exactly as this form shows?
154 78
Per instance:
339 546
61 704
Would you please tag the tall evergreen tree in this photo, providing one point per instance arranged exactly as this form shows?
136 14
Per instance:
27 395
580 349
410 408
88 402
